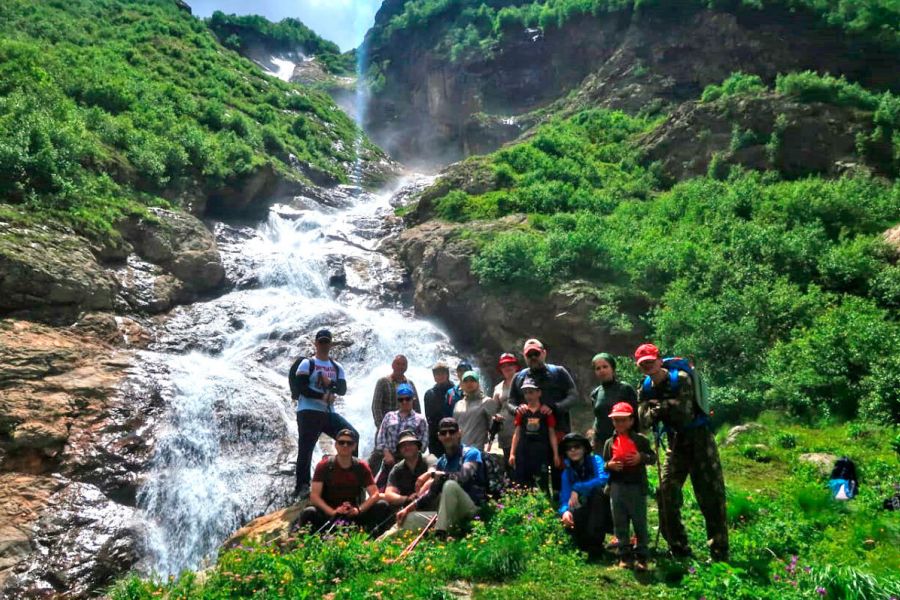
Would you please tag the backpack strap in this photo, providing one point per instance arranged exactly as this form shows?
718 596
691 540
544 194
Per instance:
674 383
357 470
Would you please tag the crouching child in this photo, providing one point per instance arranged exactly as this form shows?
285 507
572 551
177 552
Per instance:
627 455
581 495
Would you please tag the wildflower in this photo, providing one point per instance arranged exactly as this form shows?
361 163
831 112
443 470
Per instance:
692 570
776 577
820 591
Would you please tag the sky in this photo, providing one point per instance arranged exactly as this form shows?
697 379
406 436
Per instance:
344 22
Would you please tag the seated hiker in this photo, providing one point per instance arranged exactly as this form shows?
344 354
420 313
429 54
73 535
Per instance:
395 421
385 399
459 479
627 455
338 486
581 498
534 444
474 412
406 481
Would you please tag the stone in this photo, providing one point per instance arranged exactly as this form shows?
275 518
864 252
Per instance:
740 430
271 528
822 461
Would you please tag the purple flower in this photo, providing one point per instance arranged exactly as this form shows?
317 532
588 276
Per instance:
820 591
807 569
776 577
692 570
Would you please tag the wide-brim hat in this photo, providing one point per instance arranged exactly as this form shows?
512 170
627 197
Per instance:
408 436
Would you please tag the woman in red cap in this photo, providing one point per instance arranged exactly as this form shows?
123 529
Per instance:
508 365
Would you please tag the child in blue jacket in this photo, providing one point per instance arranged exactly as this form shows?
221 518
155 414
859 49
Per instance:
584 507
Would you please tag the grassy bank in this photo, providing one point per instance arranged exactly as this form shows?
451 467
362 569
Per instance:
788 539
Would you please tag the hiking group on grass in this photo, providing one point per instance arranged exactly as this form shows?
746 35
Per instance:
435 470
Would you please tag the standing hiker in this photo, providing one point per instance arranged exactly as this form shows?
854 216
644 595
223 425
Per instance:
339 484
384 400
667 398
436 405
627 454
395 421
474 412
610 392
534 444
456 392
583 507
508 365
317 381
558 392
405 484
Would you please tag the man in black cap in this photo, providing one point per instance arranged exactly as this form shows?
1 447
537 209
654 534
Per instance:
338 488
319 379
436 405
403 488
456 393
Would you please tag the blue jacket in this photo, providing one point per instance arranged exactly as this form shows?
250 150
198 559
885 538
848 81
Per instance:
571 482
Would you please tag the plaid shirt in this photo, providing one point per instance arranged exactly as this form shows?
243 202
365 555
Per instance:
394 423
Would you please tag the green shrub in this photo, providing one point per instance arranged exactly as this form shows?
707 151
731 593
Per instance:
809 86
786 440
737 84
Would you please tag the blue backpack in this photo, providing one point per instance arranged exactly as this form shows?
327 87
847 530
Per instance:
674 364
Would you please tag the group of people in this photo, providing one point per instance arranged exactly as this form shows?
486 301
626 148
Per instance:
434 466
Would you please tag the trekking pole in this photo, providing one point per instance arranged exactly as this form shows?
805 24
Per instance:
659 492
324 525
416 541
378 527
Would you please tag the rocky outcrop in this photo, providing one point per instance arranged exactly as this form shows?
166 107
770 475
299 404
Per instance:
488 321
765 132
270 528
70 455
432 109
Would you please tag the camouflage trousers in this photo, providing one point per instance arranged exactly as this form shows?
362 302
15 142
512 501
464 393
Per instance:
693 453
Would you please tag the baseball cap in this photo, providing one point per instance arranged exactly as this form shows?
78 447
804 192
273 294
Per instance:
470 375
448 423
323 334
529 384
347 432
404 389
621 409
507 358
646 352
464 365
532 344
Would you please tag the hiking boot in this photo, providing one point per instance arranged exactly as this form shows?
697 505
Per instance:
641 565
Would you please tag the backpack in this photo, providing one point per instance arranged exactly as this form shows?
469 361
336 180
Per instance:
357 470
294 379
843 482
495 475
675 364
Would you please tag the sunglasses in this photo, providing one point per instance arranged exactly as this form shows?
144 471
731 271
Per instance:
570 448
345 442
444 432
405 398
533 354
324 342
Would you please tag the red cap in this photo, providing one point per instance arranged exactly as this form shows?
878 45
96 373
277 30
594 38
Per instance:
646 352
621 409
507 359
532 344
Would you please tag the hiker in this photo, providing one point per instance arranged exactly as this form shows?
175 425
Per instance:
508 366
395 421
666 398
610 392
436 405
319 379
338 486
558 392
627 454
459 479
384 400
581 499
534 443
474 412
405 482
456 392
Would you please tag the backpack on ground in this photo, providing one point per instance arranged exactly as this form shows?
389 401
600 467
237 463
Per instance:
674 364
495 474
294 379
843 482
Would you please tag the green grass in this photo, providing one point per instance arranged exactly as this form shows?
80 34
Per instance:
788 538
110 105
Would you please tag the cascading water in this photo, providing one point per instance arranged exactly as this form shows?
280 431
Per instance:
225 451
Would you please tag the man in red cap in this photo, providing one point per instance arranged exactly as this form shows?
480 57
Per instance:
668 399
558 391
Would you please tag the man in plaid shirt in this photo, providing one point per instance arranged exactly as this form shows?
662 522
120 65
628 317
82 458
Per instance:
395 421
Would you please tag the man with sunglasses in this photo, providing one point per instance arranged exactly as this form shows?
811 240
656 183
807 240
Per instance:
459 480
338 487
405 484
320 379
558 391
396 421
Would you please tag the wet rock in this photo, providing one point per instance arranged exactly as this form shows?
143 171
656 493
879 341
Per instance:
251 195
146 287
337 276
50 272
740 430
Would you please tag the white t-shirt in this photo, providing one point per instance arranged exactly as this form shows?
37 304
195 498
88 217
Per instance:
323 367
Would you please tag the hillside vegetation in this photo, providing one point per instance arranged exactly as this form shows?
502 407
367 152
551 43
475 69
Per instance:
474 27
785 291
242 33
110 105
789 540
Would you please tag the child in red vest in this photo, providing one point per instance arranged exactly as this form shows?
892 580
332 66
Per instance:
627 455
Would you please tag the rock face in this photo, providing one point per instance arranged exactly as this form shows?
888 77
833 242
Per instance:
432 109
70 456
481 320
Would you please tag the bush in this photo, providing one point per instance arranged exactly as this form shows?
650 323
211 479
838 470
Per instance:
737 84
809 86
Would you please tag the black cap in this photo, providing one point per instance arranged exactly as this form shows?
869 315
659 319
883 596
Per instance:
347 432
323 334
572 439
464 365
448 423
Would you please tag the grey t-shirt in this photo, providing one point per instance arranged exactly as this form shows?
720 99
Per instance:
474 414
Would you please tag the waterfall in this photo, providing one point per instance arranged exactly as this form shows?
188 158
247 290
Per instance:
226 441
